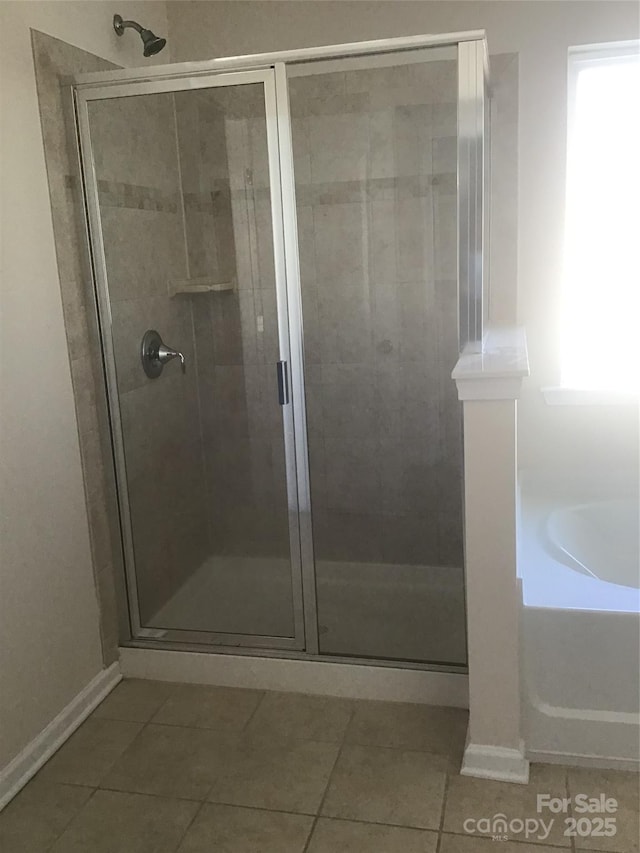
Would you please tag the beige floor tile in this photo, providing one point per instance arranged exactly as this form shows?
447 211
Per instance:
90 752
471 844
171 761
469 798
227 829
134 699
113 822
285 775
295 715
331 836
202 706
625 788
396 724
38 814
387 786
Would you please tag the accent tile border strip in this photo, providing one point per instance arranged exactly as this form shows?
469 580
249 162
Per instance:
134 196
117 194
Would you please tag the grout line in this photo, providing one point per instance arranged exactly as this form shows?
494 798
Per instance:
312 829
255 710
72 819
527 841
120 755
72 784
330 778
443 756
255 808
231 732
412 827
568 794
221 729
310 836
174 691
352 714
326 790
188 827
149 794
445 794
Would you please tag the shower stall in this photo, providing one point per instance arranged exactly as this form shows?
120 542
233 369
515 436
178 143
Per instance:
287 254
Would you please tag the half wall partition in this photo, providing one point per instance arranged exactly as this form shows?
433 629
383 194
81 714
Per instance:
304 234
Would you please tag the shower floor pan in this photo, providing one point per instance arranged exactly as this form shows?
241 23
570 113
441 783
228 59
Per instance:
378 610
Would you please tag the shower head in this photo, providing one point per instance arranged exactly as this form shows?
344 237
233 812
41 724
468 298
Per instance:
152 43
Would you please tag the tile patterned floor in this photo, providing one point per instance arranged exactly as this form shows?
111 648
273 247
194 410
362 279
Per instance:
165 768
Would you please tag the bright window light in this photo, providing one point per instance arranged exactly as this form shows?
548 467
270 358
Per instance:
601 286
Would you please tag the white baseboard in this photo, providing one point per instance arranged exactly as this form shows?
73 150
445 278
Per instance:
573 759
355 681
26 764
495 762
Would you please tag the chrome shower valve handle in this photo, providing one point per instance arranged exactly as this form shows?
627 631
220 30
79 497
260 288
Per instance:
165 354
154 354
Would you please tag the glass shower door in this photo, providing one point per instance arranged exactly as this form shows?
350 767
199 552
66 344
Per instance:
374 147
186 241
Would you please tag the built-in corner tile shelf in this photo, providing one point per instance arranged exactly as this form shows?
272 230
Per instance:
497 371
190 286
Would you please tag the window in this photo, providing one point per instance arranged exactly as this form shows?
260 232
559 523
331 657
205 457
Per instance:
601 282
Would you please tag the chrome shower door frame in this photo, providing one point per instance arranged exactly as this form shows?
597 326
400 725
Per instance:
473 195
181 81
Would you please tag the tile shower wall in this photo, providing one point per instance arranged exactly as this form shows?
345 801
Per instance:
136 161
54 62
375 161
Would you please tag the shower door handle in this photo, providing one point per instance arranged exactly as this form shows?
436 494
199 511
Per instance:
283 382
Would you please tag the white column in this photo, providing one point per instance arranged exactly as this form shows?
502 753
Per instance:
489 385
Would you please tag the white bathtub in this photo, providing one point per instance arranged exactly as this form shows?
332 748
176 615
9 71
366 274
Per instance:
579 568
